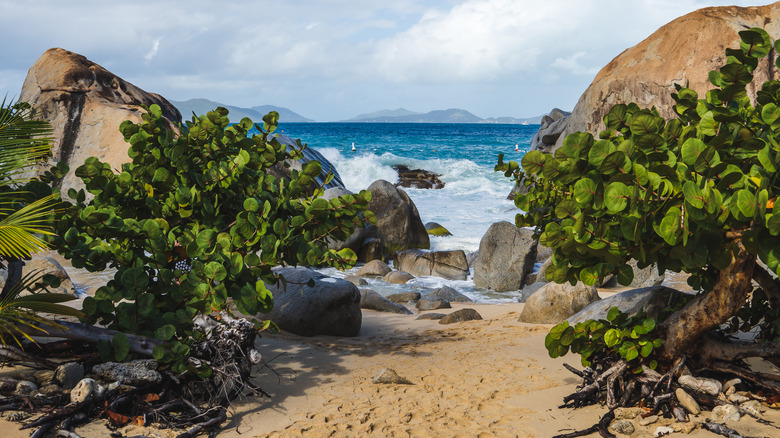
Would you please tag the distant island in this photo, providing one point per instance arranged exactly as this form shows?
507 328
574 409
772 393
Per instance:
400 115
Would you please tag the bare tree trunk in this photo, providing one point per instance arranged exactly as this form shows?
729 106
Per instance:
15 267
710 310
89 333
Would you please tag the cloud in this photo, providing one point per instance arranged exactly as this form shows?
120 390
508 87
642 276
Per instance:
572 64
152 53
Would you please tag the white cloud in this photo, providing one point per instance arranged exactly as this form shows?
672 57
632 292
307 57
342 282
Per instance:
573 65
153 52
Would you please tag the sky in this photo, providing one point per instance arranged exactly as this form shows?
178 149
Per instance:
332 60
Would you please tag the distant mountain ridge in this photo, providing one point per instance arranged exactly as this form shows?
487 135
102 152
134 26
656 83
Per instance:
452 115
256 113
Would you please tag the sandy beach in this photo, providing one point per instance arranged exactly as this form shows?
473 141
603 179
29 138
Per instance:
488 378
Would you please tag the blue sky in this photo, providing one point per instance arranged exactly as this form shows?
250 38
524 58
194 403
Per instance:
331 60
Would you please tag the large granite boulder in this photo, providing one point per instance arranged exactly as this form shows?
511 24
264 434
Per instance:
681 52
554 302
451 265
330 307
398 221
374 268
372 300
45 265
643 277
550 130
651 299
85 104
506 256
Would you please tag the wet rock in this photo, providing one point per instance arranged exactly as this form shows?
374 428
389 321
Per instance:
374 268
86 388
461 315
25 387
451 265
624 427
554 302
417 178
371 300
69 374
330 307
432 316
357 281
724 413
436 229
398 220
389 376
703 384
425 304
398 277
135 373
449 294
687 402
404 297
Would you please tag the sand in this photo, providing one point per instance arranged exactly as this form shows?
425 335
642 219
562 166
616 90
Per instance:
488 378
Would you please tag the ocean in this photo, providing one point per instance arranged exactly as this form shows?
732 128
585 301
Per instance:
474 196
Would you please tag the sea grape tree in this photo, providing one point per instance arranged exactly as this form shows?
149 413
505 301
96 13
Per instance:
194 225
694 194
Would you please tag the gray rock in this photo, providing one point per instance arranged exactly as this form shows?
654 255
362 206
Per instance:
506 256
25 387
447 293
461 315
357 281
432 316
374 268
738 398
330 307
703 384
425 304
436 229
398 220
42 265
554 302
371 300
530 290
389 376
355 240
724 413
624 427
651 299
86 388
471 258
687 402
451 265
543 253
44 377
398 277
404 297
644 277
8 384
372 249
541 274
552 126
135 373
69 374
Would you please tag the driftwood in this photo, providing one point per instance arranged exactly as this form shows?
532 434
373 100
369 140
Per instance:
89 333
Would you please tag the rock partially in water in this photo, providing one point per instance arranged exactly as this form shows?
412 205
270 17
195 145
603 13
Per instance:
417 178
374 268
398 277
436 229
447 293
451 265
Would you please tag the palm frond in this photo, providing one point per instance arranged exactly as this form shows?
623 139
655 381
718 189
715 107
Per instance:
18 230
24 141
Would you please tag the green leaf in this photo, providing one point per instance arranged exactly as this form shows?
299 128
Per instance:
693 194
616 197
625 275
589 276
691 149
669 228
746 202
612 337
584 190
533 162
613 313
165 332
121 346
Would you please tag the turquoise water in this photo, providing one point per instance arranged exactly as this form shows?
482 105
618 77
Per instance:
464 155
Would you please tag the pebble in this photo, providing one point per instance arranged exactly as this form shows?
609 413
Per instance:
44 377
404 297
738 398
703 384
624 427
753 407
663 430
85 389
723 413
25 387
389 376
687 402
731 386
648 420
69 374
628 413
683 427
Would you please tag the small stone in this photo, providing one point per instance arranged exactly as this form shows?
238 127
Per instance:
738 398
69 374
25 387
135 373
731 386
662 430
687 402
114 385
389 376
683 427
50 390
753 408
432 316
8 384
432 304
404 297
648 420
624 427
44 377
628 413
723 413
461 315
398 277
703 384
86 388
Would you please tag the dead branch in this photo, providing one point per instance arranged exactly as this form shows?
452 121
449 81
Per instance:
89 333
220 417
723 430
769 284
601 427
763 380
711 350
